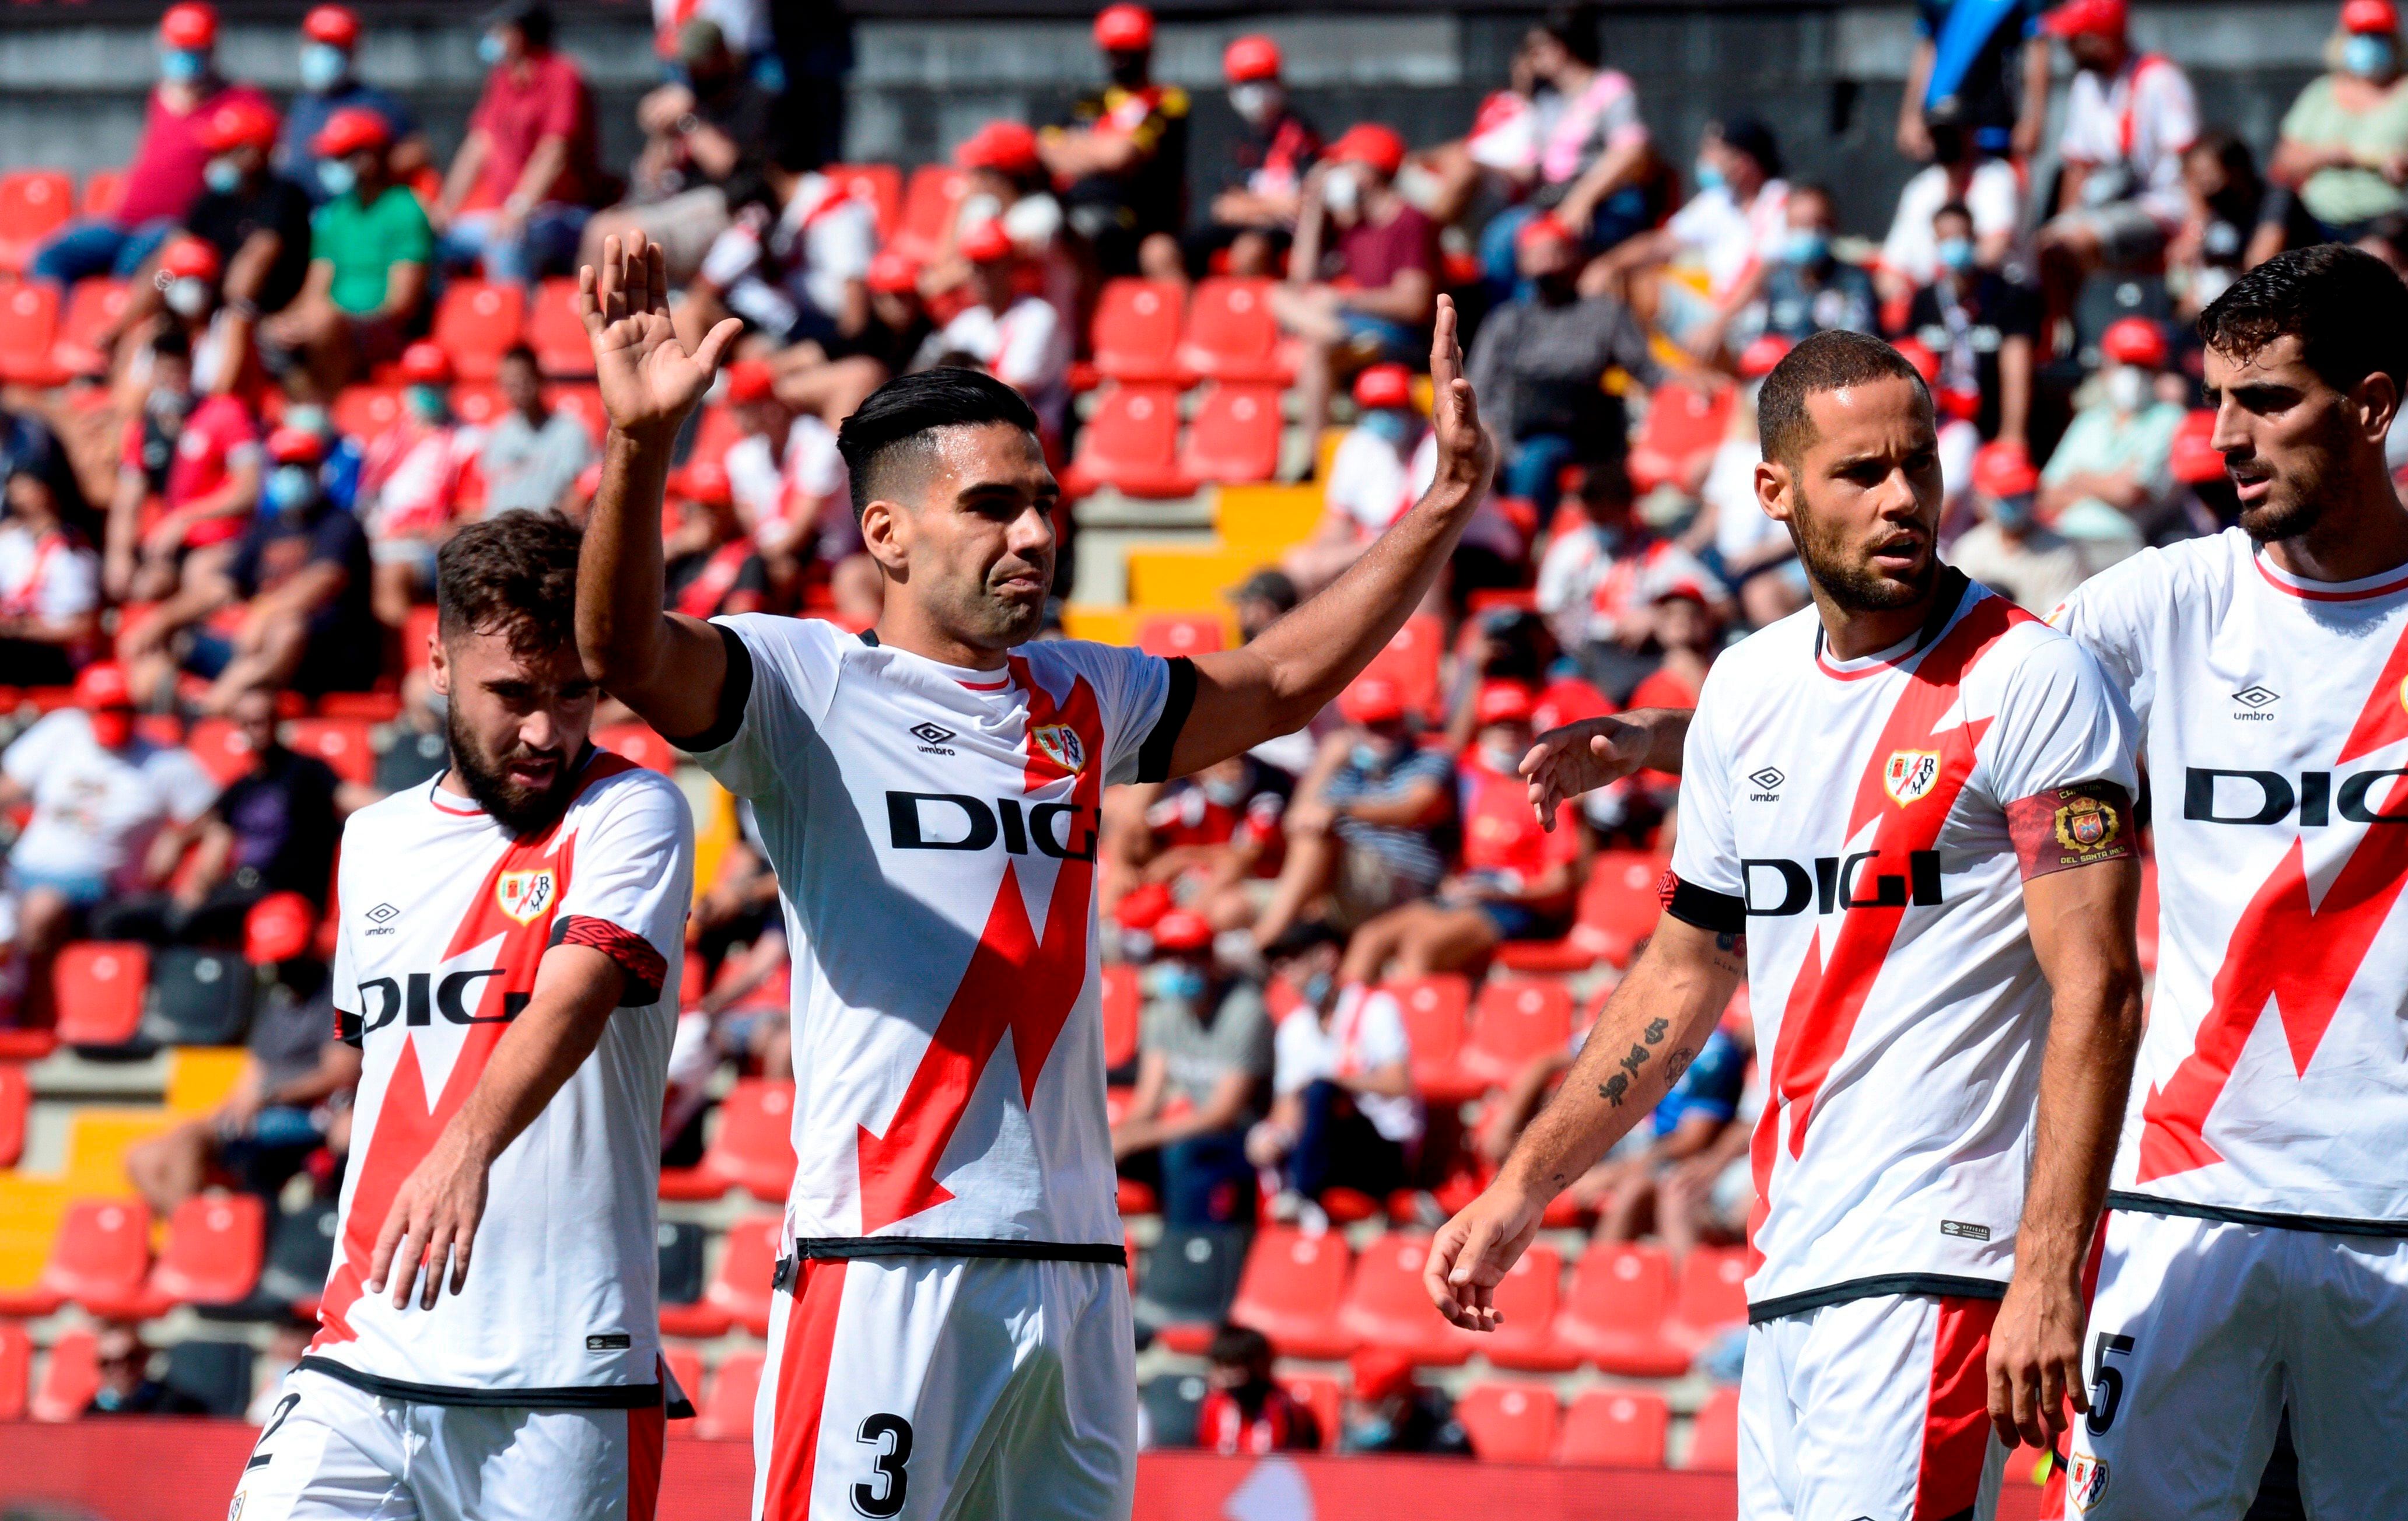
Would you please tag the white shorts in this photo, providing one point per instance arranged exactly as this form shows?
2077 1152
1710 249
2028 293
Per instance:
2202 1330
920 1387
330 1452
1871 1406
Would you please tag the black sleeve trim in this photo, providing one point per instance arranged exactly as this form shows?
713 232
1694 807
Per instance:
1717 914
2328 1225
735 691
1936 1286
1153 757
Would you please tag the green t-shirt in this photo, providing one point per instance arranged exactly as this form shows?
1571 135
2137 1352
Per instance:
2340 197
365 242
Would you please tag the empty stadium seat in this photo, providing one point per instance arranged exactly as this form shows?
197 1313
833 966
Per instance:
1190 1277
880 184
740 1291
1615 1429
639 744
1516 1019
727 1415
16 1098
1291 1291
372 707
929 199
98 1259
92 306
70 1376
1136 330
363 411
1171 634
1711 1296
197 997
1683 429
98 985
1325 1398
1171 1402
29 324
1435 1009
16 1371
476 323
1713 1436
683 1366
556 333
1527 1297
753 1148
1622 900
103 191
222 750
300 1252
1124 1003
477 403
34 203
1234 437
1614 1316
1131 443
1510 1423
1387 1306
216 1245
1231 335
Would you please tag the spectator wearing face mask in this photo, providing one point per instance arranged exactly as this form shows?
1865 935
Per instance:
187 479
1733 229
1959 174
711 568
1592 159
1390 1413
2009 549
1598 585
1253 214
1016 337
330 82
2228 229
1204 1056
1123 155
533 452
219 338
49 579
2343 143
1006 184
2110 481
416 483
126 1386
1753 554
793 494
1371 478
793 259
522 186
370 249
1984 328
1244 1411
1343 1111
1810 289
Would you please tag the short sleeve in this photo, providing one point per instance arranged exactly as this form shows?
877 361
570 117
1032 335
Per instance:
563 102
633 881
2060 725
781 674
2108 616
1705 854
1144 701
36 749
408 238
1382 1039
1293 1068
1994 199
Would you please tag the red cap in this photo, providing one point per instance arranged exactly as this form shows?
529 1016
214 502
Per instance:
1384 385
1124 28
240 123
278 927
1182 929
1007 147
1251 59
295 446
351 130
749 380
2004 469
2194 459
1379 1372
2380 18
188 25
1372 699
1369 142
425 363
1544 228
1568 699
2085 18
2134 340
102 684
1918 353
332 24
1504 702
190 257
986 243
1144 907
1759 358
1685 589
704 480
893 273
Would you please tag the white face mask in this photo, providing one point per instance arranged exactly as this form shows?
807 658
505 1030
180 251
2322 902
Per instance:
2128 388
187 296
1257 101
1341 192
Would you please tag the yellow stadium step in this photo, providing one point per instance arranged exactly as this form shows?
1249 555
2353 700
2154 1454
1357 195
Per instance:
1184 579
1268 518
30 1212
1104 625
714 830
200 1078
97 1142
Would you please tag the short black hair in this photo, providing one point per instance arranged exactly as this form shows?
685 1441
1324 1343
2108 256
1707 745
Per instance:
533 18
900 416
2347 307
1753 137
1954 209
171 343
524 354
1240 1345
1823 361
1577 28
513 575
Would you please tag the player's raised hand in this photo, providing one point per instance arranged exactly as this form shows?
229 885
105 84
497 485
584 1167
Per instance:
648 380
1580 757
1467 455
433 1218
1471 1254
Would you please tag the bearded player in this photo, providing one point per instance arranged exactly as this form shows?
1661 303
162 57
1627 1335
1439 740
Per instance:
510 933
1905 819
951 1329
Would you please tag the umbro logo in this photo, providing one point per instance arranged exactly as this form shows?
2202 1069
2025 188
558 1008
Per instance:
1767 777
932 737
2257 697
381 916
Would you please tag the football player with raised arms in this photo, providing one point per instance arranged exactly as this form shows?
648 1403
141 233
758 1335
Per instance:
1906 820
951 1332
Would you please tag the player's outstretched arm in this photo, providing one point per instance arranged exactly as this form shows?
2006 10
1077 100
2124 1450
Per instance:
2082 932
1277 683
1599 752
435 1214
1649 1032
666 667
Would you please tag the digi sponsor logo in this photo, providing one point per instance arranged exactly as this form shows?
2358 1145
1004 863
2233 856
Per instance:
2255 699
1831 882
2086 1481
1767 780
1910 775
2211 796
952 821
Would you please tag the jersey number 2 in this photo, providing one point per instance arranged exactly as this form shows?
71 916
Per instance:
885 1498
283 1408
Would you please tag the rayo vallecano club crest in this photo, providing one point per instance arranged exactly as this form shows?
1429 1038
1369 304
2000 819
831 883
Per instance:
2086 1481
1910 775
1059 744
523 894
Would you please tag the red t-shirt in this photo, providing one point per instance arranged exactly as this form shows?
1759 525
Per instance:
1499 831
164 179
517 114
1281 1425
1373 253
217 436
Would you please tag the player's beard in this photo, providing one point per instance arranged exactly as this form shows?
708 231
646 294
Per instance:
520 809
1845 575
2295 500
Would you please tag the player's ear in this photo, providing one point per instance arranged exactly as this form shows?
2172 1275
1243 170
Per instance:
1774 490
2377 399
885 533
438 665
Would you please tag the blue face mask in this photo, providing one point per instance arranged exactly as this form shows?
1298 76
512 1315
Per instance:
1709 176
306 415
1367 756
1387 424
2011 512
291 489
222 175
1954 253
337 175
489 49
1806 246
2368 57
428 403
1316 989
183 65
323 67
1180 982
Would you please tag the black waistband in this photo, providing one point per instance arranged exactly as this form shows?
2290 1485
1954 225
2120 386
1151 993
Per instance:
1938 1286
853 1248
2329 1225
573 1397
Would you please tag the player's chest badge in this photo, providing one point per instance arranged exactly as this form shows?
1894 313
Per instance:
523 894
1911 775
1059 744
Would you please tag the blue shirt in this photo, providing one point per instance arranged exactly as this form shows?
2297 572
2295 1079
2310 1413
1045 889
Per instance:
308 116
1710 1089
1375 778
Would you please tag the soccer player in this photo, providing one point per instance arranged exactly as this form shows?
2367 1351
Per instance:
1905 819
951 1332
507 961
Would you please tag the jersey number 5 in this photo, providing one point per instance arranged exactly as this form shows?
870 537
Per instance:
885 1498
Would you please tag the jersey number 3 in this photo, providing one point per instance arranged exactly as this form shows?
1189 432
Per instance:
885 1496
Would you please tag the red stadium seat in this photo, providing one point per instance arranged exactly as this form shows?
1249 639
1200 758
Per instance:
880 184
34 203
29 324
417 638
1231 335
929 199
1618 907
753 1148
714 436
1234 438
1517 1020
1712 1296
1410 660
1386 1305
70 1377
556 333
16 1371
476 324
727 1414
1435 1009
92 306
685 1368
363 411
1620 1428
374 707
99 985
477 403
1510 1423
639 744
1170 634
1325 1396
16 1099
221 749
1684 427
1713 1436
216 1244
1614 1316
583 403
1136 330
100 1256
741 1287
1290 1292
1131 443
1527 1299
342 743
103 191
1124 1003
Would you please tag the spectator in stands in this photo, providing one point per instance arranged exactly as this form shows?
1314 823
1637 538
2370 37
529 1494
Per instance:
165 178
1592 161
1810 289
1371 476
126 1385
2009 549
1253 214
792 495
1244 1411
1204 1054
369 250
330 39
1362 279
1261 600
1984 328
199 458
1123 157
2225 233
1705 1199
2109 483
1539 362
532 454
1753 554
2129 117
112 814
1006 183
712 569
49 579
1689 634
1019 338
2344 145
294 1070
793 260
414 482
301 574
1209 837
1960 174
1344 1113
1360 828
224 362
415 750
1981 69
1598 581
706 138
1733 229
1392 1413
523 184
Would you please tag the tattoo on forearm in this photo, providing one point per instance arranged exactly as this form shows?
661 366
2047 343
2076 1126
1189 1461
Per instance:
1615 1087
1732 954
1678 1062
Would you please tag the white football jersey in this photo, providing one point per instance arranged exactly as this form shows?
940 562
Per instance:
1870 823
444 917
933 830
2274 720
